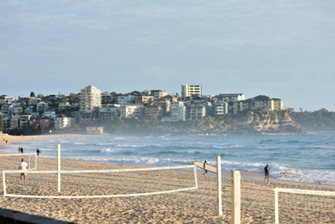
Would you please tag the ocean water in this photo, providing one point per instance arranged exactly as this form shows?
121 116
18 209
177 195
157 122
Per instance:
308 158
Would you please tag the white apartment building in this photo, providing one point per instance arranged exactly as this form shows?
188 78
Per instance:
125 99
90 99
158 93
41 106
64 105
131 111
260 102
17 110
220 109
178 111
49 114
143 99
64 122
14 121
229 98
198 111
164 104
153 111
29 110
24 120
191 90
108 112
6 109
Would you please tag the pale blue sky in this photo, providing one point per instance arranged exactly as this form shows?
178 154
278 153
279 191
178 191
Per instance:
284 49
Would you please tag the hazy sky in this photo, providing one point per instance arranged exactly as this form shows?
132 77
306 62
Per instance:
284 49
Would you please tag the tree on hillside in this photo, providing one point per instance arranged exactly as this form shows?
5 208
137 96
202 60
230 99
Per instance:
23 105
1 123
32 94
72 97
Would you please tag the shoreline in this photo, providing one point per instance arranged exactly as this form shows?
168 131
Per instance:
254 176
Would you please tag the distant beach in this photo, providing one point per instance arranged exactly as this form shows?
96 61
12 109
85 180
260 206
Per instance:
8 139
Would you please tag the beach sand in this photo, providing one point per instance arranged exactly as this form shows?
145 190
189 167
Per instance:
6 139
193 206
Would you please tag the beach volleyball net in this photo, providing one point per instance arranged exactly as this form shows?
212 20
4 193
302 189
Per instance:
297 206
12 161
100 183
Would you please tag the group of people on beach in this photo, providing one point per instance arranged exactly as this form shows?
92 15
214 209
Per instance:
20 149
266 170
23 165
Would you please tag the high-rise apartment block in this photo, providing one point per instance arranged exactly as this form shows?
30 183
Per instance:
191 90
90 99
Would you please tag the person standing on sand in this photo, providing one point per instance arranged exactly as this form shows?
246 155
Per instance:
204 167
23 166
267 172
38 152
21 150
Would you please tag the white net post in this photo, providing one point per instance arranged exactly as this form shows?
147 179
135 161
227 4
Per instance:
236 197
276 207
59 167
195 176
4 183
219 180
29 159
35 161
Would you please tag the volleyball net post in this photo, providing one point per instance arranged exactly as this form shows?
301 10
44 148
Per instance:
59 167
236 197
219 181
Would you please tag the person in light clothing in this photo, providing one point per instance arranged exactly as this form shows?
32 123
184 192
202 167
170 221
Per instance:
23 166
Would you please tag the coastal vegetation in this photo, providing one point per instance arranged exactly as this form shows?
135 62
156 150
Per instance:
320 120
248 122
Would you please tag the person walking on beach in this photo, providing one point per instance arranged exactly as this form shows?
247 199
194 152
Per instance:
204 167
21 150
23 166
267 172
38 152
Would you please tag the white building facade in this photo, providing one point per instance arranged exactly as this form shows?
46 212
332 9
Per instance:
64 122
131 111
191 90
90 99
178 111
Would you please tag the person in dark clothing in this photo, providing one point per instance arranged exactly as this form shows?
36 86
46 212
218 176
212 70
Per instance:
267 172
38 152
204 167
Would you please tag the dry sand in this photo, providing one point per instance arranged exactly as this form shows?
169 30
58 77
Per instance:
194 206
